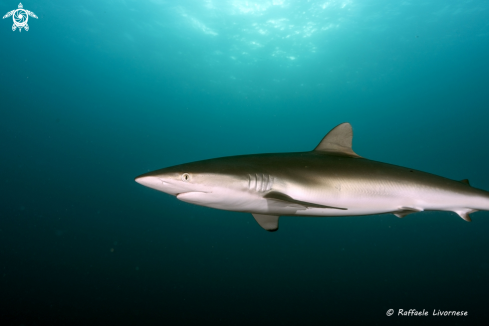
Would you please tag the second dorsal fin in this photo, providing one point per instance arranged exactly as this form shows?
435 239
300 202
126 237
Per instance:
338 141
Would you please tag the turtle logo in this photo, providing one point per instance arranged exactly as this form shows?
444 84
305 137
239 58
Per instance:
20 16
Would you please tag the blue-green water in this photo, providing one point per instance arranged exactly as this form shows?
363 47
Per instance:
98 92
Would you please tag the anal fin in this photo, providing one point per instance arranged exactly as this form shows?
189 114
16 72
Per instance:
465 214
268 222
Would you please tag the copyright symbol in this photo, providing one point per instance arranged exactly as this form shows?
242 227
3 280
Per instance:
390 312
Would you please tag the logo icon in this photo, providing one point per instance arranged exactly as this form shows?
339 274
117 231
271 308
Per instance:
20 16
390 312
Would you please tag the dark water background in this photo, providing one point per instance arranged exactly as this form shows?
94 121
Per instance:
98 92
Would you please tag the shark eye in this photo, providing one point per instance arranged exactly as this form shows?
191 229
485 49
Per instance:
186 177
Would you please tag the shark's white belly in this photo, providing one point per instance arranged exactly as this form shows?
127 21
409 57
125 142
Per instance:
380 198
355 199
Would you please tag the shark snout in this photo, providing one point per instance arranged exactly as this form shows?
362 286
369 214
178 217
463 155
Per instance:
167 185
148 181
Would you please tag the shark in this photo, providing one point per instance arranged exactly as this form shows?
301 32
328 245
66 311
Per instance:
331 180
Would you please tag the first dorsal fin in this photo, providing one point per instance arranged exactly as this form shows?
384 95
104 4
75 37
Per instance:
338 141
466 181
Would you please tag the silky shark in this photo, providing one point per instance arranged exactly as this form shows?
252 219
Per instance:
331 180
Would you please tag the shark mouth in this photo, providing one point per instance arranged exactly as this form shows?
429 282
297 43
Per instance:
191 192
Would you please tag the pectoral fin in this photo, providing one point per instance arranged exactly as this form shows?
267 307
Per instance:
268 222
285 198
